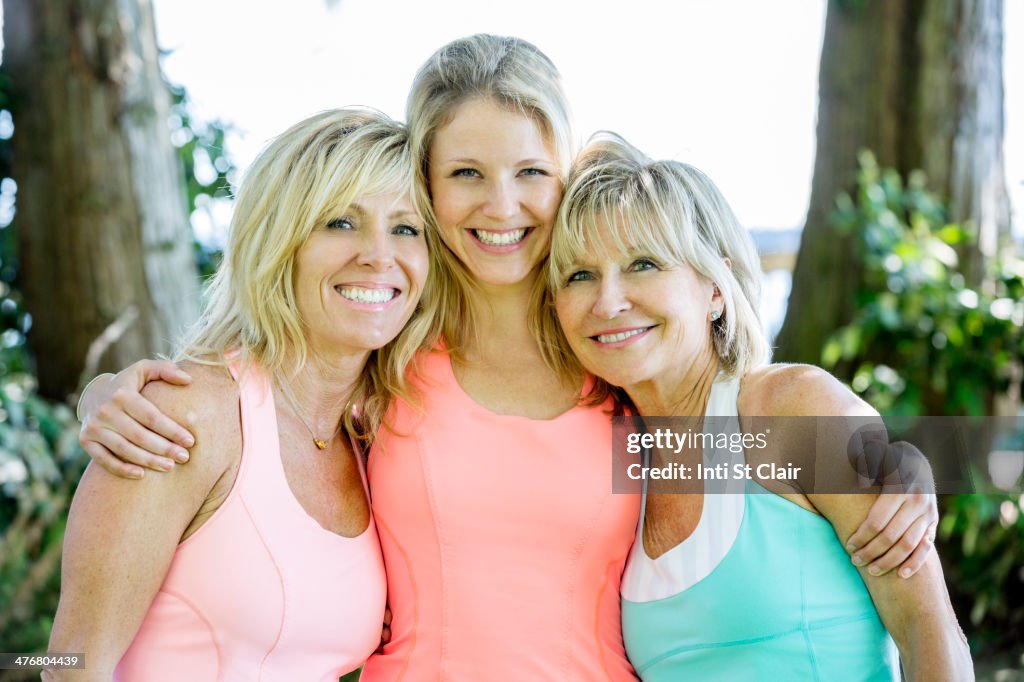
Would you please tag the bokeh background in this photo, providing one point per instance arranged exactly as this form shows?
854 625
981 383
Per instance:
875 150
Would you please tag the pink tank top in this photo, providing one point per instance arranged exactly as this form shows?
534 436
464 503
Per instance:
503 542
261 591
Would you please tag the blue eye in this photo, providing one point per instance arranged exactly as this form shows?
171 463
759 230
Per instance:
341 224
465 173
579 276
534 172
408 230
641 264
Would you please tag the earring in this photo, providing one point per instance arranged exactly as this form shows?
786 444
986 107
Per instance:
714 315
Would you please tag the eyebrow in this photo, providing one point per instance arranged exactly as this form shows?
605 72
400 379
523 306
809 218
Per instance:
354 207
524 162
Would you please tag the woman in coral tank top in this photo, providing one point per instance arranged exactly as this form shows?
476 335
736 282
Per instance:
503 543
260 560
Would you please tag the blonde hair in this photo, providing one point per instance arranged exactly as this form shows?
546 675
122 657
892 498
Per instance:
674 212
515 75
303 178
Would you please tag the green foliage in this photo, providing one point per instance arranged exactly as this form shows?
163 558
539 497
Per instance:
918 324
982 546
40 463
923 342
40 459
208 170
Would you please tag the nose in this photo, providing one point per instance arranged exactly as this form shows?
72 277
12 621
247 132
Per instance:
502 200
377 250
612 298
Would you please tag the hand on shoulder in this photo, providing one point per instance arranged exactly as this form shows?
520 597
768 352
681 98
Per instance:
207 401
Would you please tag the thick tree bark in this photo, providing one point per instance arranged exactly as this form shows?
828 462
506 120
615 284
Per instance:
919 83
102 221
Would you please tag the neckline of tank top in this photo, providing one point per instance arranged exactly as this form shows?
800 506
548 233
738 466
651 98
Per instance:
449 369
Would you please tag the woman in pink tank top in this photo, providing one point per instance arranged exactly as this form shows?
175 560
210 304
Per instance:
503 543
260 560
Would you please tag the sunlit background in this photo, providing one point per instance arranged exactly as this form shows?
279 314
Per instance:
727 85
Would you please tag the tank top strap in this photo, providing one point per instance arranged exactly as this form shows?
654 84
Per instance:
684 565
261 451
255 407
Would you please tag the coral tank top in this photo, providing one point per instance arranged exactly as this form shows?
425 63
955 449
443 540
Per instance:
261 591
503 542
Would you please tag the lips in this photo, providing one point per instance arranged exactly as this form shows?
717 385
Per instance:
500 241
368 294
612 336
503 238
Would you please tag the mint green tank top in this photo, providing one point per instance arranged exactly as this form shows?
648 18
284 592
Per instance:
780 602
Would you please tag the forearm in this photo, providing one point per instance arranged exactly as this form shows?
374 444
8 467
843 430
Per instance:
101 653
933 653
919 616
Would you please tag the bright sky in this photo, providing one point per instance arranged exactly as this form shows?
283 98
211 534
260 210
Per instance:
728 85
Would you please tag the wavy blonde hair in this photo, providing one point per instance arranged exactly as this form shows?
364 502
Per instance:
674 212
302 179
517 76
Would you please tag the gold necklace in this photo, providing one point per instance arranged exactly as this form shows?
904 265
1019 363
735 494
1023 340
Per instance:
320 443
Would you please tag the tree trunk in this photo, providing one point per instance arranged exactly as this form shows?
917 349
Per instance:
102 221
919 83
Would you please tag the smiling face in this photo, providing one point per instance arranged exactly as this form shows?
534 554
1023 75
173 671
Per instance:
630 317
358 277
495 188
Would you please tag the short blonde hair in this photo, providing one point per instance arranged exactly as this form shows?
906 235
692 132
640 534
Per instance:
515 75
674 212
303 178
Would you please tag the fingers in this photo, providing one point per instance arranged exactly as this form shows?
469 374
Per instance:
385 631
901 552
881 512
897 527
920 554
148 427
163 370
110 463
889 539
127 451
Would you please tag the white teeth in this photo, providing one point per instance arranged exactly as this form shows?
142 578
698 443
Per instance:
500 238
363 295
621 336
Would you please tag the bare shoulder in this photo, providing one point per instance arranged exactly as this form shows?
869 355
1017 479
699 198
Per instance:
780 389
208 407
212 394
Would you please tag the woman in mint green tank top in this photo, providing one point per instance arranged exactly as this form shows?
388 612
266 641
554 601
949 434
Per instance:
657 290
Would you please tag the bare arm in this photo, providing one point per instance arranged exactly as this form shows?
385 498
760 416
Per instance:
898 531
122 534
916 611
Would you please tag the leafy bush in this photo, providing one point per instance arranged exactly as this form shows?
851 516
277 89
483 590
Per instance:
40 463
919 325
924 342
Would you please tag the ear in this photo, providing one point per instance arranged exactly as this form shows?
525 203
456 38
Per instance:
717 299
727 261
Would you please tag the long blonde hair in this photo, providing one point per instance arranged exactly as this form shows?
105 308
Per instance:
674 212
517 76
303 178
